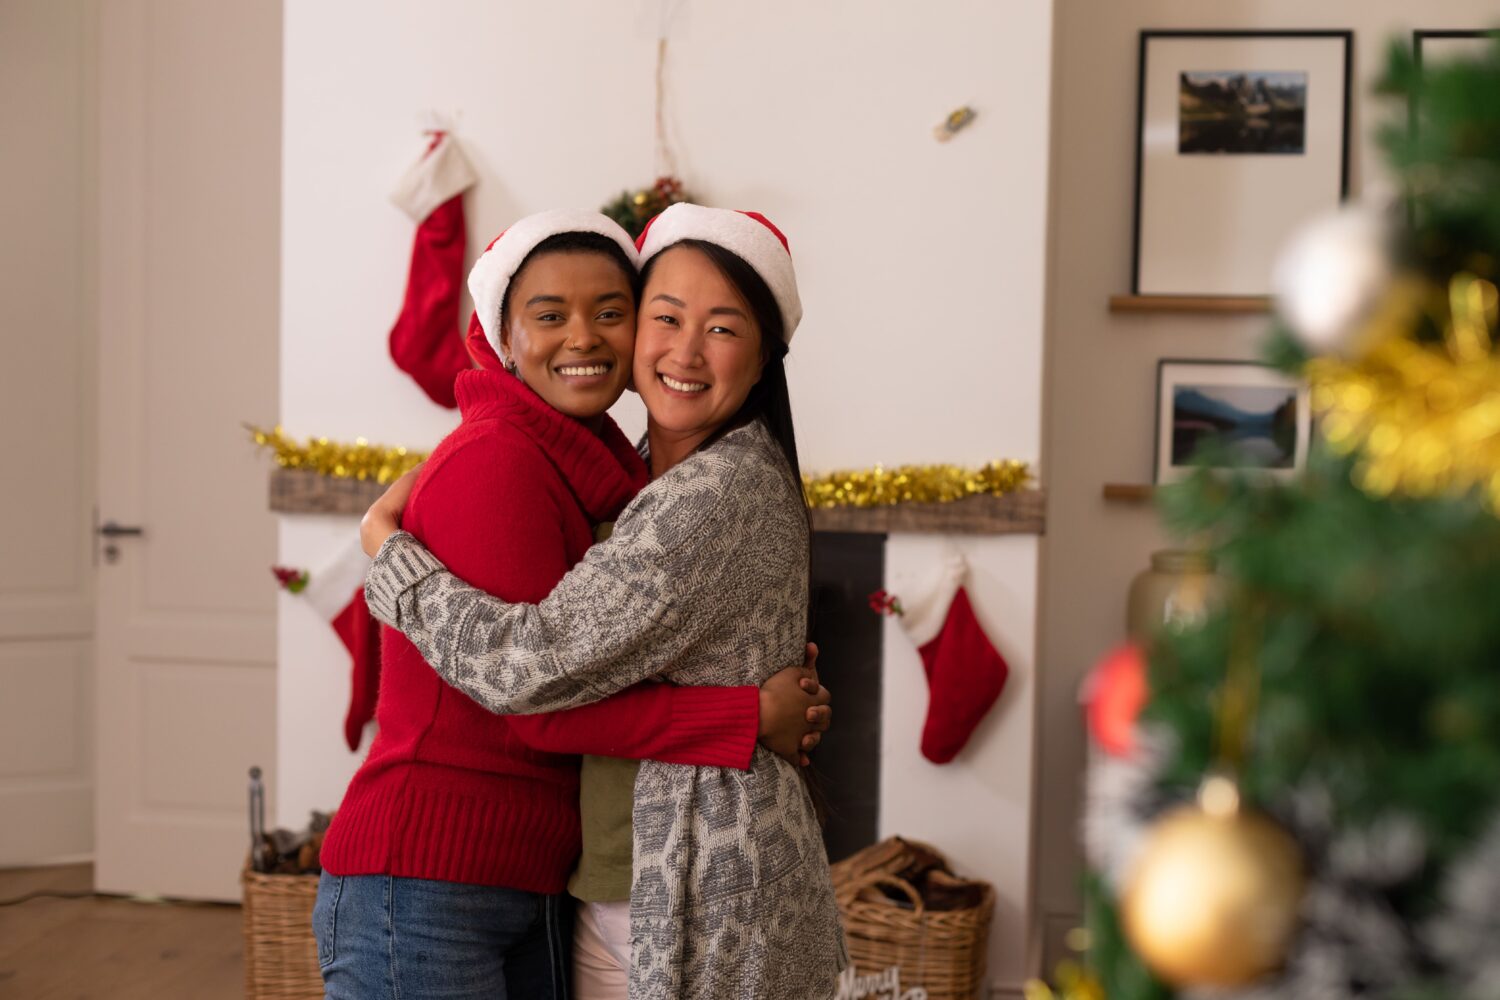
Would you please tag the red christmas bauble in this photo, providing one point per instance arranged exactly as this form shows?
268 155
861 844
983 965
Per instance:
1113 697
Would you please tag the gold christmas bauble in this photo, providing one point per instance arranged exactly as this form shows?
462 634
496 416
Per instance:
1212 900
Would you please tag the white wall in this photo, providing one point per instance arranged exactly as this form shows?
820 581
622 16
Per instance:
1101 367
977 809
921 266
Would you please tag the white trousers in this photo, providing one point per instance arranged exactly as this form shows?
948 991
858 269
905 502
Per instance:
601 951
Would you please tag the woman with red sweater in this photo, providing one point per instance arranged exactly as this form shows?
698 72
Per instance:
444 866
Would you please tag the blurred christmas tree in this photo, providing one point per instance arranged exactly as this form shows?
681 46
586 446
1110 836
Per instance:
1309 802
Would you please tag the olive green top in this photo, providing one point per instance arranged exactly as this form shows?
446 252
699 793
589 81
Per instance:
606 790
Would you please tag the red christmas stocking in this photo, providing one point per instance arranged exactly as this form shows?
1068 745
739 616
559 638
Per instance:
337 592
361 635
965 673
426 342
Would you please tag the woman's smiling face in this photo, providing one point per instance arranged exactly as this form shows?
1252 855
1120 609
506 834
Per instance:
698 346
569 328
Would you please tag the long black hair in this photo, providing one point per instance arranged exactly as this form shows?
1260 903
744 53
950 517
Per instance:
770 403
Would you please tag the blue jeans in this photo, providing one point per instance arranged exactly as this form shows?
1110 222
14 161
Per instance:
385 938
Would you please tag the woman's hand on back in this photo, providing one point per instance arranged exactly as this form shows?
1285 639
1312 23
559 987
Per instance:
795 710
383 519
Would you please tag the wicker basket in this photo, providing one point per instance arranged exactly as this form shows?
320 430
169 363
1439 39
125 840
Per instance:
281 956
942 951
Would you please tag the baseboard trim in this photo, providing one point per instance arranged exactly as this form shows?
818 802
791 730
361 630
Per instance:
57 862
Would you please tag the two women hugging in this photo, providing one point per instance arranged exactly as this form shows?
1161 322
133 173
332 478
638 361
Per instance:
687 834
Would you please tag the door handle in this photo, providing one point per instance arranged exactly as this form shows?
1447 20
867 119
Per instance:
110 531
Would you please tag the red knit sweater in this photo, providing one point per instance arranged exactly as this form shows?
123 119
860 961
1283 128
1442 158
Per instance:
449 791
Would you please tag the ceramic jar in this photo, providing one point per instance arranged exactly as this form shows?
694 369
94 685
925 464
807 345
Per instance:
1176 592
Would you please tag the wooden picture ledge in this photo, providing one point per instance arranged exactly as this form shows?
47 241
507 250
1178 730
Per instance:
1129 492
1244 305
298 491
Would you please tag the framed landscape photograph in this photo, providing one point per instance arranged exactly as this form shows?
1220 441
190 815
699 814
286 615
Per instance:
1439 45
1231 415
1435 46
1241 136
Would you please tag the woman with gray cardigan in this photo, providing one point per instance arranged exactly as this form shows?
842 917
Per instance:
704 581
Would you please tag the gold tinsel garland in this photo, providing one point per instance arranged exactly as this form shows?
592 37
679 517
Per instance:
360 460
882 487
1424 417
877 487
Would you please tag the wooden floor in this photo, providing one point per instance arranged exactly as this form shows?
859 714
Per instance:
93 949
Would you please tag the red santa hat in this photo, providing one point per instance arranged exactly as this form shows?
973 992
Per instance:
479 347
497 265
749 235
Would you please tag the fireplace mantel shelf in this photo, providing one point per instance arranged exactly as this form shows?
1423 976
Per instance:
298 491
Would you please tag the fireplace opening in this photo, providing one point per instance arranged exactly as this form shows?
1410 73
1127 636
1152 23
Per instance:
846 568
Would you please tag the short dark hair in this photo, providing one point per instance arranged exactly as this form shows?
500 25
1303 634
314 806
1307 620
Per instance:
574 243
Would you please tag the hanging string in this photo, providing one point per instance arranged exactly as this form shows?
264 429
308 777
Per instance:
666 160
666 163
634 208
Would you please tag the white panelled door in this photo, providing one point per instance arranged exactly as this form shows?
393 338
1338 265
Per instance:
47 418
190 112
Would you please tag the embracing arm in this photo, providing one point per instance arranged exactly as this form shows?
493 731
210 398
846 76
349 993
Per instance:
703 726
698 725
592 636
714 726
491 513
628 611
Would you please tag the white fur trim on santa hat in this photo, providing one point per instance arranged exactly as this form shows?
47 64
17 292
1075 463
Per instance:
740 234
330 589
441 173
925 609
497 265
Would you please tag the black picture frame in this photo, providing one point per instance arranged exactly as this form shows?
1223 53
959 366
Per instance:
1421 35
1147 36
1413 112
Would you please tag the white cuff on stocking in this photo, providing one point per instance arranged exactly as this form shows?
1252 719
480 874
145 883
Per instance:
925 608
441 173
330 589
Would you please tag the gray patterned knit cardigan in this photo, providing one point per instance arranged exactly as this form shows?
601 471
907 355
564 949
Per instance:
703 582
